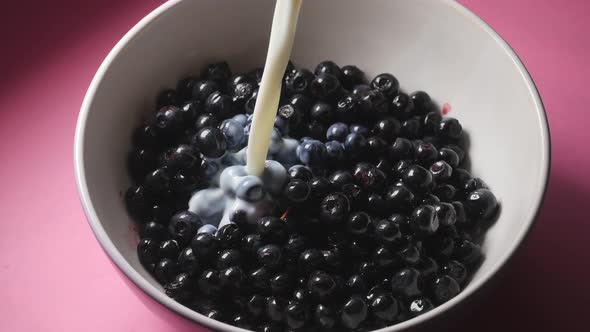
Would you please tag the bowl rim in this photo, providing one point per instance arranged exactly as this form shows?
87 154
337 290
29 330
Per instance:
108 246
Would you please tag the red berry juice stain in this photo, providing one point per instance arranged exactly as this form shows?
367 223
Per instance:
446 109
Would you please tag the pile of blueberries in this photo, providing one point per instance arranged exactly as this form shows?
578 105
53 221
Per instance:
378 223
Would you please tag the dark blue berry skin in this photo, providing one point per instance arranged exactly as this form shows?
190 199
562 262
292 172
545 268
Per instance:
205 120
456 270
449 156
234 133
188 262
298 82
337 132
272 230
388 129
185 86
354 312
183 226
324 316
322 112
182 157
140 162
335 152
256 305
300 172
168 97
219 72
190 110
402 106
419 306
418 178
228 258
282 283
424 220
270 256
339 178
138 202
450 128
458 150
356 285
481 204
168 122
428 268
180 288
369 177
169 249
445 288
411 128
422 102
406 283
376 205
384 257
468 253
315 130
425 154
232 278
312 153
401 149
321 285
334 208
349 109
360 224
387 233
297 191
400 198
260 279
386 84
460 212
157 182
210 142
275 308
147 251
384 307
146 137
441 171
152 230
220 105
311 260
431 123
250 104
328 67
359 129
203 89
229 236
375 147
241 93
374 104
296 315
326 87
446 213
354 145
474 184
210 282
205 246
352 76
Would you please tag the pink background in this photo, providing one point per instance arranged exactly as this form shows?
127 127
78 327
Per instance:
54 275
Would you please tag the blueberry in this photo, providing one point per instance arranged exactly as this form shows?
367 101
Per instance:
406 282
356 285
168 121
474 184
356 196
445 288
388 233
337 132
384 307
146 137
183 226
250 104
386 84
298 81
241 93
375 147
210 142
376 205
272 230
359 223
147 252
449 156
376 102
250 188
402 106
430 199
354 312
459 151
321 285
324 316
419 306
422 102
292 115
322 112
388 129
219 105
460 177
300 172
328 67
270 256
425 154
137 202
312 153
424 220
456 270
450 128
205 245
297 191
152 230
335 152
218 72
481 204
281 283
296 315
334 208
384 257
468 253
190 110
169 249
182 157
417 178
255 76
209 282
203 89
260 278
441 171
167 97
355 145
301 102
161 213
352 76
205 120
400 198
315 130
187 261
180 288
256 305
320 187
401 149
326 87
228 258
232 278
251 243
310 260
428 268
229 236
360 89
233 132
411 128
185 86
409 254
460 212
446 214
431 123
349 108
275 308
242 321
369 177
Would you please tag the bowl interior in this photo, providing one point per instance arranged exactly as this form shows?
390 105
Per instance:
435 46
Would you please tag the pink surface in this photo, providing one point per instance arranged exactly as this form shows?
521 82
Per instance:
54 275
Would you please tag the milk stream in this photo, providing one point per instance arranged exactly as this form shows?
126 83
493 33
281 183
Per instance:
279 51
245 181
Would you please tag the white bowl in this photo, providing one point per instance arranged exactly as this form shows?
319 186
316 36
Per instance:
432 45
